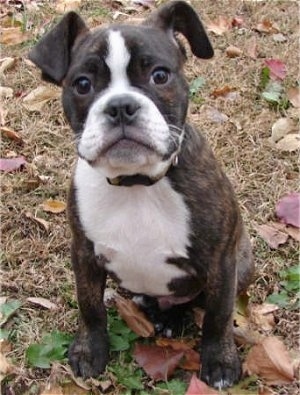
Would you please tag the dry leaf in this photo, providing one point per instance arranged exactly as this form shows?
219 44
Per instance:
36 99
271 235
281 128
266 26
288 208
270 360
134 317
40 221
277 69
6 64
5 366
6 92
293 95
12 164
244 335
54 206
223 92
182 344
262 315
233 52
11 134
198 387
72 389
158 362
279 38
63 6
214 114
290 143
293 232
43 302
3 114
219 26
13 36
190 361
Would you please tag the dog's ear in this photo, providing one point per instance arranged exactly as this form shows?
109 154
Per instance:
179 16
53 52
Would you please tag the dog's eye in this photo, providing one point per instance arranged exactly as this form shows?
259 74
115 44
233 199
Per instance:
160 76
83 85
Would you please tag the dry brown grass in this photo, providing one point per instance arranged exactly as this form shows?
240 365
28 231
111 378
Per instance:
36 262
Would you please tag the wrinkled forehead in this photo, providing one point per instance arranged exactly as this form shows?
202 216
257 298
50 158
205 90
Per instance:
131 42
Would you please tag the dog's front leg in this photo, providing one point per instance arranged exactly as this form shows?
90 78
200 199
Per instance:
88 354
221 366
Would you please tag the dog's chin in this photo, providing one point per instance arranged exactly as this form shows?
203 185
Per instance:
128 157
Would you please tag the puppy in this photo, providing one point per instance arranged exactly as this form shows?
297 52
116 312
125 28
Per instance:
149 205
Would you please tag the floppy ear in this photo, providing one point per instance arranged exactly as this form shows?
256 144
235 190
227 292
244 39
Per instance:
179 16
53 52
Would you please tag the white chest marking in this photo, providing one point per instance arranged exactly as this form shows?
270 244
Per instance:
137 228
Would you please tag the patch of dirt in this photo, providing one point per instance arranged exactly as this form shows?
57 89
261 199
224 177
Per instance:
35 261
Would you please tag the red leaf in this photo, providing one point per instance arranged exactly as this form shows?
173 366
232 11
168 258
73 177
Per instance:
198 387
12 164
288 209
277 69
158 362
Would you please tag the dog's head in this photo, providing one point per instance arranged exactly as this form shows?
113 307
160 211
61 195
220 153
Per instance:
124 93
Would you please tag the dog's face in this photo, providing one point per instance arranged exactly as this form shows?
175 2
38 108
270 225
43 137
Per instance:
123 89
130 100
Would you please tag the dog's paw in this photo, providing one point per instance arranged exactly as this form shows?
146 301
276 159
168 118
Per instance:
89 354
221 367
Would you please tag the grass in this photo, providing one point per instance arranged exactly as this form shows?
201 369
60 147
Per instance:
36 262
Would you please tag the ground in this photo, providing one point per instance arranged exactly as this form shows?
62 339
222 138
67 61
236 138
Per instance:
35 257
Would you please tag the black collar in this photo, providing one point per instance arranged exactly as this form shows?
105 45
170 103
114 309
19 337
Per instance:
129 181
140 179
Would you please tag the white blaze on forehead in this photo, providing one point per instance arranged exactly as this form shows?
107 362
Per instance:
117 60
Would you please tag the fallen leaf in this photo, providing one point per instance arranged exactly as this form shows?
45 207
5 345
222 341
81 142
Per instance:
3 114
293 94
12 164
5 367
43 302
237 21
6 64
277 69
222 92
190 361
293 232
270 360
271 235
287 209
6 92
198 387
244 335
262 315
63 6
214 114
182 344
158 362
265 391
281 127
279 38
266 26
54 206
40 221
233 52
134 317
36 99
289 143
219 26
13 36
251 47
11 134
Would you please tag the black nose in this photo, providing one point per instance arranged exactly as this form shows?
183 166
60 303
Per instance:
121 109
